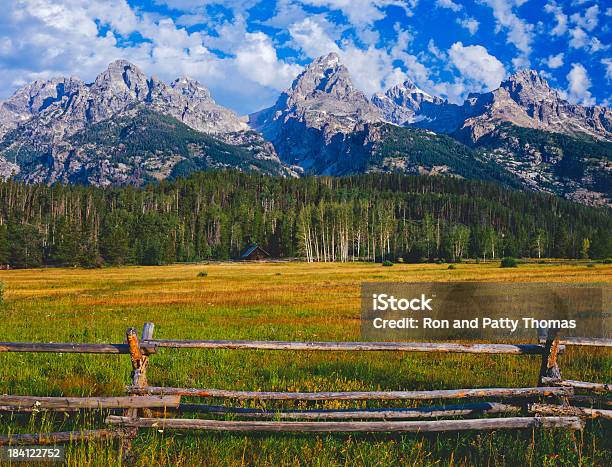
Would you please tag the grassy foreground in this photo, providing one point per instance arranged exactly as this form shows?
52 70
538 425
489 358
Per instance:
288 301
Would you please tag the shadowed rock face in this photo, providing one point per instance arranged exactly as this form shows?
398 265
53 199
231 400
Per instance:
310 122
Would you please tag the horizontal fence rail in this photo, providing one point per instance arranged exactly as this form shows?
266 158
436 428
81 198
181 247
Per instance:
529 349
89 402
585 412
60 437
365 395
584 341
63 347
69 348
583 385
480 408
574 423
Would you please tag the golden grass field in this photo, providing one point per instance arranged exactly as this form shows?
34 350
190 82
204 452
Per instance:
280 301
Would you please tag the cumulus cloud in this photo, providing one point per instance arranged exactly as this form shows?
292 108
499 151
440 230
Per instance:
311 37
477 65
579 84
561 18
578 38
362 12
257 57
589 20
607 62
471 24
581 34
555 61
449 4
519 32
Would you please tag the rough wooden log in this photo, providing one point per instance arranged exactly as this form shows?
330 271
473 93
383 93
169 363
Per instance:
64 403
14 409
573 423
69 347
584 341
563 410
529 349
584 385
591 400
365 395
482 408
63 347
59 437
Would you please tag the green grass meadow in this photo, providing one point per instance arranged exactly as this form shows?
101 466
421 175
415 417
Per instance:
265 301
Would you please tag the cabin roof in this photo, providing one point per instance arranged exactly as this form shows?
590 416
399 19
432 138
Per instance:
251 249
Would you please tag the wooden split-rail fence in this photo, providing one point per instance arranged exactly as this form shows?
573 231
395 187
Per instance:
553 403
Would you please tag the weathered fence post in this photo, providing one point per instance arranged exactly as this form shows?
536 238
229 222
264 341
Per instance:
139 378
549 367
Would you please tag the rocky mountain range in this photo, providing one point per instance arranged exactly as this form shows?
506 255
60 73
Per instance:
40 123
126 127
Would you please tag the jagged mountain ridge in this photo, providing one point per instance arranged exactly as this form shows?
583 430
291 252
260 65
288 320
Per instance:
525 99
321 125
39 122
312 122
69 104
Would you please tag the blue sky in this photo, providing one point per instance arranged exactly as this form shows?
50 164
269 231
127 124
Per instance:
247 51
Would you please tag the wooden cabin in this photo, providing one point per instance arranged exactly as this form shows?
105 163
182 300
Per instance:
253 253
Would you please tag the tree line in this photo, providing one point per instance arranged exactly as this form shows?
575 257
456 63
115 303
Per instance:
214 215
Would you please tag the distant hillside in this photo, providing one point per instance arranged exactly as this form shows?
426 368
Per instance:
134 147
416 151
577 167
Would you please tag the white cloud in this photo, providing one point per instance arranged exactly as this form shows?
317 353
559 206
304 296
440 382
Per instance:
607 62
589 20
477 65
560 17
595 45
310 36
471 24
555 61
578 38
579 85
449 4
361 12
435 51
257 58
519 32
